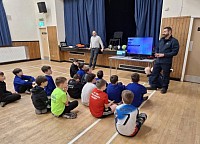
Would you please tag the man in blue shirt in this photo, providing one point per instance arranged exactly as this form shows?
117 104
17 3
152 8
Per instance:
22 83
51 85
137 89
114 89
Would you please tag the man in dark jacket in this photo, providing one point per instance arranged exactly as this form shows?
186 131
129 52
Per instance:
75 87
6 96
74 67
39 96
167 48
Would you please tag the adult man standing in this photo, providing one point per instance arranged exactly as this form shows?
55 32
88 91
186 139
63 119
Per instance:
95 43
167 48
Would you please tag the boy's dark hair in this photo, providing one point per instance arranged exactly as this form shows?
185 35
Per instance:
76 76
45 68
100 83
16 71
1 73
168 28
135 77
127 96
100 74
60 80
40 79
81 65
90 77
114 79
75 60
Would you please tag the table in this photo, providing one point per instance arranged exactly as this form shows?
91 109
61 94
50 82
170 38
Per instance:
128 58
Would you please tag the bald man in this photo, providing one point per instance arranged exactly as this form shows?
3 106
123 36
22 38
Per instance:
95 43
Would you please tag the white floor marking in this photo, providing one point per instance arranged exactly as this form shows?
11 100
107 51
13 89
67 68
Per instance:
83 132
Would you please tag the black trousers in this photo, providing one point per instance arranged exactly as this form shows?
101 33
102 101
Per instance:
11 98
72 105
93 56
23 88
165 68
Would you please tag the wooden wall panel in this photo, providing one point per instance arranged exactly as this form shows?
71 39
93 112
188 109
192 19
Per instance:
33 48
180 29
53 43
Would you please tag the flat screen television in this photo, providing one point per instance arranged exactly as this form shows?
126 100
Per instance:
140 46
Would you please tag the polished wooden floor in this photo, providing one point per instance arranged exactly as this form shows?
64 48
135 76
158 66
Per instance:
173 118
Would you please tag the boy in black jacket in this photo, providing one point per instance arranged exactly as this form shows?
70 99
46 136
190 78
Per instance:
39 96
75 87
74 67
6 96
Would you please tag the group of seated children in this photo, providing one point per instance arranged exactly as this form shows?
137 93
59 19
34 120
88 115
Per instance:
103 99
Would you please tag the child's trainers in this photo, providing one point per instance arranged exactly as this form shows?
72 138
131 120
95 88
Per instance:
27 92
70 115
2 104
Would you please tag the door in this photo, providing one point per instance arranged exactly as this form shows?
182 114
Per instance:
193 62
45 46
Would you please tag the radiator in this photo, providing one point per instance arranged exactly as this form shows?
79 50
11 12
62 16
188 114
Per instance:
9 54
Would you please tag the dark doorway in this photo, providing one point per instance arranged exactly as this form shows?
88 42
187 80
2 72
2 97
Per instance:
120 17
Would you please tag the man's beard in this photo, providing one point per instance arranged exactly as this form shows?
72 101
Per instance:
165 35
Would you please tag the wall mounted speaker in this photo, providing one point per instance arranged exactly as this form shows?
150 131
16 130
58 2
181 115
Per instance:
42 7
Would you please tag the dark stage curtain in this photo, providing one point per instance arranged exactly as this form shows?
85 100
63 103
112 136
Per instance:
120 17
148 17
5 38
81 18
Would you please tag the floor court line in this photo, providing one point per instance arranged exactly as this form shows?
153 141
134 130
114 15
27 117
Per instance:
83 132
116 134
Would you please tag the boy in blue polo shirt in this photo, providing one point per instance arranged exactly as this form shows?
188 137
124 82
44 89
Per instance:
137 89
51 85
81 72
114 89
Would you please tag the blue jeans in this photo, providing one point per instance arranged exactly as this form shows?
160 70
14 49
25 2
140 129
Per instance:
93 56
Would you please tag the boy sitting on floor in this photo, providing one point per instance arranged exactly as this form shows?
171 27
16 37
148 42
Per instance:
88 88
74 67
137 89
51 85
22 83
148 72
87 70
114 89
60 105
39 96
75 87
6 96
128 121
81 71
98 104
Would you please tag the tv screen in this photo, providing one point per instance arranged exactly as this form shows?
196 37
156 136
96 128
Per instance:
140 45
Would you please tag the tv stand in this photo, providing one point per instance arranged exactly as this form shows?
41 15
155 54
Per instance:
126 66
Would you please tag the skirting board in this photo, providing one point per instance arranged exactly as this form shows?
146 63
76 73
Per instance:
190 78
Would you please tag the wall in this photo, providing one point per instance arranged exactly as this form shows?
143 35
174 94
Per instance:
189 8
60 20
21 19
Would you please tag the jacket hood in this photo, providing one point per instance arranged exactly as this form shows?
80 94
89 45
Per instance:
37 90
